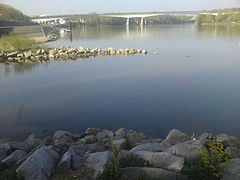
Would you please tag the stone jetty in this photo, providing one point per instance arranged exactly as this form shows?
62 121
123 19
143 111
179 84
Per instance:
64 53
66 155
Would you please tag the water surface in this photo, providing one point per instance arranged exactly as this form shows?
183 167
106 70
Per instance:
192 85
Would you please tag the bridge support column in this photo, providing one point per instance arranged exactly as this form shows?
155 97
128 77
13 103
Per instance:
127 23
142 21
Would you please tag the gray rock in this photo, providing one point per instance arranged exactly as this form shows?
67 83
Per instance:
6 147
121 133
144 51
40 164
134 138
119 144
98 160
188 150
123 154
162 160
3 154
32 142
77 153
65 161
27 54
62 137
153 147
105 134
235 152
14 157
12 54
152 173
232 142
90 139
231 170
224 137
16 145
177 136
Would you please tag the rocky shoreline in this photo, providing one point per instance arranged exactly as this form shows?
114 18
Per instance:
84 156
41 55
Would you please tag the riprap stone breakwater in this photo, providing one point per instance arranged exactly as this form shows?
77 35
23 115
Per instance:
64 53
83 156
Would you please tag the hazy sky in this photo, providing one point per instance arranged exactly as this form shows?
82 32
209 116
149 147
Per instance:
36 7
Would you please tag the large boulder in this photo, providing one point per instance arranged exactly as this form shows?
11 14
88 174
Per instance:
6 148
92 131
177 136
153 147
121 133
134 138
65 162
231 170
17 145
32 142
89 139
162 160
62 137
77 153
234 152
119 144
14 157
40 164
98 160
151 173
105 134
223 137
232 142
188 150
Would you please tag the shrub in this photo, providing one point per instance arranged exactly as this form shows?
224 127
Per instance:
9 173
111 171
133 161
207 166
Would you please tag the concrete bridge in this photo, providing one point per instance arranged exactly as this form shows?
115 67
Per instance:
61 19
143 16
128 16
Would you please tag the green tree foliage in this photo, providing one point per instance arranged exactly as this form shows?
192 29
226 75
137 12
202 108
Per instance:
8 12
229 15
207 166
95 20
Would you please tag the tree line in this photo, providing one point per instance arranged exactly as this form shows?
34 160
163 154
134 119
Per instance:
10 13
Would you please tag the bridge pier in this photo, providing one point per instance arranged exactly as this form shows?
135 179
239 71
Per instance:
127 23
142 21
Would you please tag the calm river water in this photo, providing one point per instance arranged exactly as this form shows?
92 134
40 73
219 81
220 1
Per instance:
193 84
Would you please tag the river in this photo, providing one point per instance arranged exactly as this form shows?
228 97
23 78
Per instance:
193 84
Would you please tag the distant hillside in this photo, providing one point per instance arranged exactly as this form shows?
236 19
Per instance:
10 13
228 15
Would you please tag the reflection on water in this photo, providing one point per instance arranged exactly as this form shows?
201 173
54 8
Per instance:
220 30
19 69
154 93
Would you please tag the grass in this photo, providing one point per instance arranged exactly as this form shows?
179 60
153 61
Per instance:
12 43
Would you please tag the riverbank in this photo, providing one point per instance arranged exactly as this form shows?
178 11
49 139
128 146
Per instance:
42 54
124 154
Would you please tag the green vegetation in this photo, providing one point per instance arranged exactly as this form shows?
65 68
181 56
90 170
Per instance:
111 170
224 16
95 20
10 13
169 19
11 43
207 166
133 161
7 173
